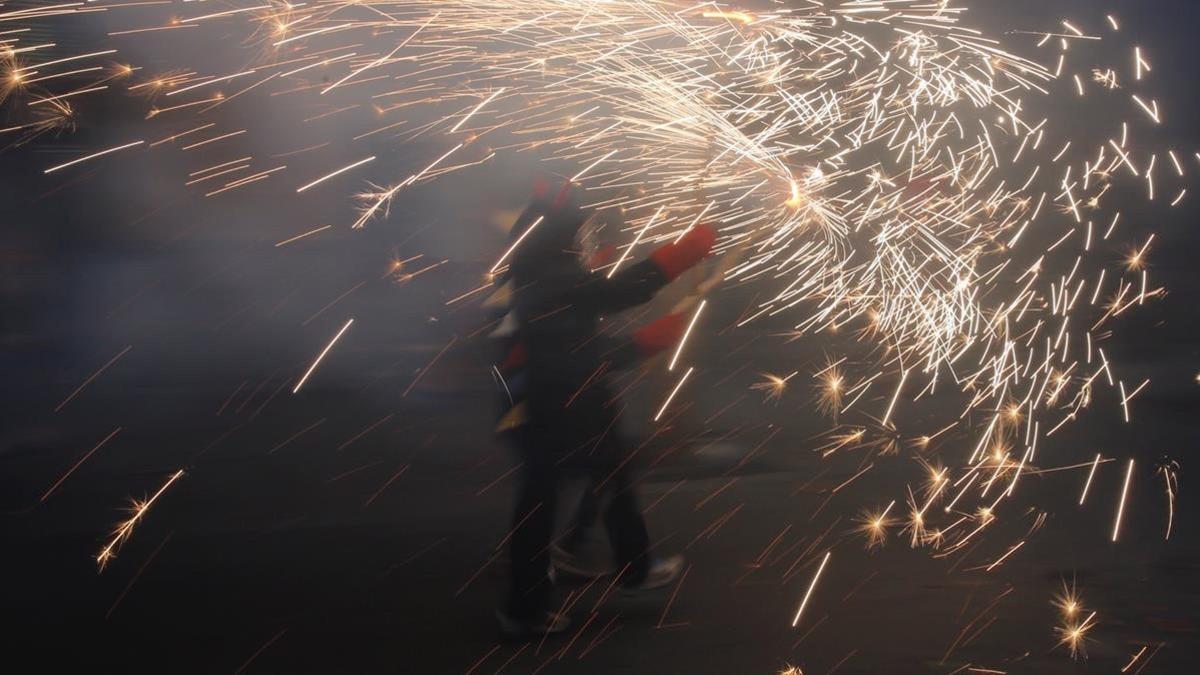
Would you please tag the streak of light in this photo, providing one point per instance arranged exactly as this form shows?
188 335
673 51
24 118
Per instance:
94 155
671 396
1121 505
58 483
125 529
515 244
338 172
1088 483
686 333
298 237
811 586
91 377
317 361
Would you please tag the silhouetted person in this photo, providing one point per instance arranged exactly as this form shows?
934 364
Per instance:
554 383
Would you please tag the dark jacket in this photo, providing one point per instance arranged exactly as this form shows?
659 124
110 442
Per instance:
556 362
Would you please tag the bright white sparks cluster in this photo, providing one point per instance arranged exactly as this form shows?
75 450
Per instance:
879 165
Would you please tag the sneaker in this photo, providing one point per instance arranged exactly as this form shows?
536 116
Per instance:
567 563
663 572
548 624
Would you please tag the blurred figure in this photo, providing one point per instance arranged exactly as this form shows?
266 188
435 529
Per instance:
554 386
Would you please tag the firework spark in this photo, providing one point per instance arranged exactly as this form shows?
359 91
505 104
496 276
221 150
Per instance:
811 586
1121 503
124 530
1169 470
317 361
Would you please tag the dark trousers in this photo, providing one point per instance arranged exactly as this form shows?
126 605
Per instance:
584 518
530 588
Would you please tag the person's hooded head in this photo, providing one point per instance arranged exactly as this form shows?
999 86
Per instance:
547 230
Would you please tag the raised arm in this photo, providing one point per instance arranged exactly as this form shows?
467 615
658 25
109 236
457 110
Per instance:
638 283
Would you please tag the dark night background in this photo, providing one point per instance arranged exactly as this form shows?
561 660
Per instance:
352 528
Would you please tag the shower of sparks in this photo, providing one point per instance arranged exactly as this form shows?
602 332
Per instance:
124 530
882 168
